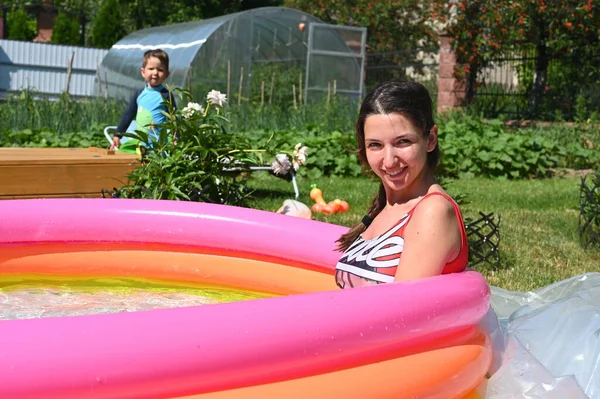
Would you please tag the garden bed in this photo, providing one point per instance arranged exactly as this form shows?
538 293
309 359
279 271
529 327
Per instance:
61 172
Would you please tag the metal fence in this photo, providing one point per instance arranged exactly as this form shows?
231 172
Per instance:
44 68
570 90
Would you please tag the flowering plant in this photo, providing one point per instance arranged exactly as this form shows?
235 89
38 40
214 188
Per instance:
286 164
193 156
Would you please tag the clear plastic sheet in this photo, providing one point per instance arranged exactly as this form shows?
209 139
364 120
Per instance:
547 341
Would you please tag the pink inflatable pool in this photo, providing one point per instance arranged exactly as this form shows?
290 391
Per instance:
416 339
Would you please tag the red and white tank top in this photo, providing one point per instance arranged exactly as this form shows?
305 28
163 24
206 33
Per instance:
375 261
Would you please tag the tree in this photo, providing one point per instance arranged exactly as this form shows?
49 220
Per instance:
391 25
400 33
556 28
147 13
141 14
20 25
250 4
66 30
82 10
189 10
482 31
108 25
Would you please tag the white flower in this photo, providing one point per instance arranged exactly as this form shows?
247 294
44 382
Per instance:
300 149
299 156
191 109
281 165
216 98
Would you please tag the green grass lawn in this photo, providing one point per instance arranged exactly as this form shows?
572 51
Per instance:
539 242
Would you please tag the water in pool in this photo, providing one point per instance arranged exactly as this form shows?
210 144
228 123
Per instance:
26 297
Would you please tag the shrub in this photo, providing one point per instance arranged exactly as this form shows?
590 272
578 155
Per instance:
474 148
46 138
108 25
20 25
194 157
589 216
66 30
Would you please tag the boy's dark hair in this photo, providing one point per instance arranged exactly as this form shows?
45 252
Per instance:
162 56
409 99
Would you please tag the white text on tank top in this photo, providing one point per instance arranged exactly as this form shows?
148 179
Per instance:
385 245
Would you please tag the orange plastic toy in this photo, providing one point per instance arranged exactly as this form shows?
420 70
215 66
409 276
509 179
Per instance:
321 206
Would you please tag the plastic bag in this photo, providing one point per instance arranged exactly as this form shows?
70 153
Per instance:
547 341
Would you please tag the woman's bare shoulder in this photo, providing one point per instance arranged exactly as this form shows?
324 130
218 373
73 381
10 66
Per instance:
435 206
436 210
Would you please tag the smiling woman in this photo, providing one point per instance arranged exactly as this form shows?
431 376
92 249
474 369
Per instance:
413 229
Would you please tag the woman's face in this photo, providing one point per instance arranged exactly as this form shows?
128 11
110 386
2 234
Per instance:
397 151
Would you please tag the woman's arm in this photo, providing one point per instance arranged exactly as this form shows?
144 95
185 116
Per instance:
431 239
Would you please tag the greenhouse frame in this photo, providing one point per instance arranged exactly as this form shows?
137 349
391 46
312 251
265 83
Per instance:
258 56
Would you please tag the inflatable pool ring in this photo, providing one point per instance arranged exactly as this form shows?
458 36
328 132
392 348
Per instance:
404 340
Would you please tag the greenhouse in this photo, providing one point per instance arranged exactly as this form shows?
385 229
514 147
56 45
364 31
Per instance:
266 55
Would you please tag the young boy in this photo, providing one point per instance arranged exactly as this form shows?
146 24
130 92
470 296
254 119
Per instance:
146 105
